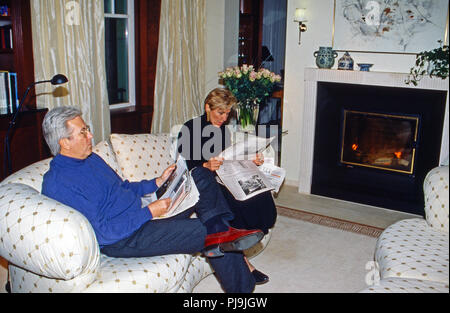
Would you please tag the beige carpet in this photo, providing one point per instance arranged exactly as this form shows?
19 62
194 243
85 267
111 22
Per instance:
305 256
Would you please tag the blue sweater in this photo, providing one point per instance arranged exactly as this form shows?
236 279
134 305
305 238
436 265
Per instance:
112 206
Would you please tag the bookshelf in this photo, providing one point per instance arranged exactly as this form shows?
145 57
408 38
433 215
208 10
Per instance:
19 58
27 144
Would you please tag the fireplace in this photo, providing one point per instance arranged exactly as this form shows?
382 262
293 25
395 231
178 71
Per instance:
371 143
381 141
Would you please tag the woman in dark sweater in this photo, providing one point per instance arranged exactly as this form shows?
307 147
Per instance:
201 140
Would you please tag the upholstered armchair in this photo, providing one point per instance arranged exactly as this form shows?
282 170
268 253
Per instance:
412 255
51 247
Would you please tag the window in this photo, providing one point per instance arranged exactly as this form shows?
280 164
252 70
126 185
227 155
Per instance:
119 52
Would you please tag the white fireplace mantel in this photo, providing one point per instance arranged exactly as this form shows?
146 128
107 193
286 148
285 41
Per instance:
308 118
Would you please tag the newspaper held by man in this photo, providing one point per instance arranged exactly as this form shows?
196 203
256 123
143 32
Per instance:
241 176
179 186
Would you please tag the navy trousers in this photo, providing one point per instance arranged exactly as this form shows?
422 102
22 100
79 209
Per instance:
185 235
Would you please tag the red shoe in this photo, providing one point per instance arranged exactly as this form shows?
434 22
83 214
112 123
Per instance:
231 240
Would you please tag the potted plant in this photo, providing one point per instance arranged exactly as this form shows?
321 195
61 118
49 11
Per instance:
433 63
249 87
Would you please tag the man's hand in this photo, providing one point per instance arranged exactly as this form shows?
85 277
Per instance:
161 179
159 207
213 164
259 159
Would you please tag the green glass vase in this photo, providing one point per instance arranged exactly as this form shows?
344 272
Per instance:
247 115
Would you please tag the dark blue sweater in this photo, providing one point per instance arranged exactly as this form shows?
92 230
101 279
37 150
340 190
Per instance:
112 206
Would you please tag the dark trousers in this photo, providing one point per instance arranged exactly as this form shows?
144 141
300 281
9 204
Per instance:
185 235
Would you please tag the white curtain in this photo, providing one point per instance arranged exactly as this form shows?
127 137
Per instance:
69 38
179 86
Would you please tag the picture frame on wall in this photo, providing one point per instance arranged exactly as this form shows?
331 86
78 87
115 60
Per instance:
386 26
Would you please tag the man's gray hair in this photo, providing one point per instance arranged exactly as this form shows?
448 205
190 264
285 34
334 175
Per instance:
55 126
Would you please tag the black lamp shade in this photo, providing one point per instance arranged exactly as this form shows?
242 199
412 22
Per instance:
59 79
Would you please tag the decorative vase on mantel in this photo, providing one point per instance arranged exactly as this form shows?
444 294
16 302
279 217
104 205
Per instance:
247 115
325 57
346 62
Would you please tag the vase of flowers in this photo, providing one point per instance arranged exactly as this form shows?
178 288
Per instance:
250 88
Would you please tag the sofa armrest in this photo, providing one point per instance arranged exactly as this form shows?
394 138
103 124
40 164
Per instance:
435 189
44 236
32 175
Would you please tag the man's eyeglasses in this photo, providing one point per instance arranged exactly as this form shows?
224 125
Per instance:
85 131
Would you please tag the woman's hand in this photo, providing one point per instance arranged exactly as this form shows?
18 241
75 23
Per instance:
259 159
161 179
159 207
213 164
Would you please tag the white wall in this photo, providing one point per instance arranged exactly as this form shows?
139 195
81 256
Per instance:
319 33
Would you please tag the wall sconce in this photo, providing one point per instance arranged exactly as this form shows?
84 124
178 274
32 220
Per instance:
300 18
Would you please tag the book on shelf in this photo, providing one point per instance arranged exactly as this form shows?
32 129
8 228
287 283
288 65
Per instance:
9 100
6 41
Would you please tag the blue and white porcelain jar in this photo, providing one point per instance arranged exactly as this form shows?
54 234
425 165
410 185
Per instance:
325 57
346 62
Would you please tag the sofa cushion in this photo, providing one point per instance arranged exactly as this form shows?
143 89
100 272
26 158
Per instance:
411 249
142 156
436 198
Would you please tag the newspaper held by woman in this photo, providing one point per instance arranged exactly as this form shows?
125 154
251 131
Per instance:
241 176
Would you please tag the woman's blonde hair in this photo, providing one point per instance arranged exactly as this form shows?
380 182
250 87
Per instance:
220 98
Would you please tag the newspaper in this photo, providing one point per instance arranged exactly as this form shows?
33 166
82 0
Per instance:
241 176
180 187
274 174
247 148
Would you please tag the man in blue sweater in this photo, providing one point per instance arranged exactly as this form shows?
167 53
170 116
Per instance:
82 180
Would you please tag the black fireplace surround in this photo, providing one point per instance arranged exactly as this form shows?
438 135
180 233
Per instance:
370 184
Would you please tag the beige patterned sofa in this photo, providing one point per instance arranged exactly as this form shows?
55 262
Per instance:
51 247
412 255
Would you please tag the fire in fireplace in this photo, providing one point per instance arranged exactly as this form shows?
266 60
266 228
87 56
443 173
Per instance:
381 141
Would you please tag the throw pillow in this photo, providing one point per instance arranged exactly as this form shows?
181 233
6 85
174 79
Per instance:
142 156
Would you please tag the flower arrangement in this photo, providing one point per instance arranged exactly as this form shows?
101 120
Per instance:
249 87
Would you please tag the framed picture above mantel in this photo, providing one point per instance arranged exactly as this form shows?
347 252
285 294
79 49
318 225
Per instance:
386 26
